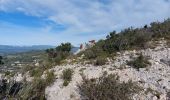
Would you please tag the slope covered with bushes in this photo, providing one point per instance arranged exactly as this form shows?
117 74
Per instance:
129 38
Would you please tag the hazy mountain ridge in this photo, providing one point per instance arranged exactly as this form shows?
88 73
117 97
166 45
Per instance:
8 49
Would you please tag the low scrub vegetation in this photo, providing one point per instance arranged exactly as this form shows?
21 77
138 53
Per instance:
100 61
107 87
50 77
139 62
67 76
24 90
90 54
9 90
129 39
61 52
36 72
34 90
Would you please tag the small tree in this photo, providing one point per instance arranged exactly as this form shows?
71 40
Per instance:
59 53
64 47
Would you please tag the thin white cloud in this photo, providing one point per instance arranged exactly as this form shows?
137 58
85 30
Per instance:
92 16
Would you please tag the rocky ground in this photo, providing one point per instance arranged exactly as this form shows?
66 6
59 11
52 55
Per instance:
155 79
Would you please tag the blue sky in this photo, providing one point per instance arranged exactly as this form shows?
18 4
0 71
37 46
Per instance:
50 22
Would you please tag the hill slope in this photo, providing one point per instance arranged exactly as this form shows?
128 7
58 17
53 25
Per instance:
154 79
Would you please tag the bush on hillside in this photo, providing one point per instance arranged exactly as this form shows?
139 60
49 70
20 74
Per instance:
61 52
50 77
100 61
130 38
107 87
139 62
34 90
90 54
96 52
67 76
66 82
36 72
9 89
64 47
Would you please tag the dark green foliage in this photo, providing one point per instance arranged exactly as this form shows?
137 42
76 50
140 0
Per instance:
130 38
65 83
50 77
34 90
139 62
100 61
9 89
59 53
1 62
7 73
64 47
127 39
36 72
96 51
90 54
67 76
107 87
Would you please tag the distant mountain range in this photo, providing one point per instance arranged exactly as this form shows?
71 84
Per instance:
7 49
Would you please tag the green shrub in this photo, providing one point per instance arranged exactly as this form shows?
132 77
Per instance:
107 87
65 47
100 61
36 72
139 62
67 76
90 54
27 68
61 52
66 82
7 73
130 38
50 77
9 89
34 90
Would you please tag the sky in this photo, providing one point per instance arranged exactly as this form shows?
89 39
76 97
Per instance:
51 22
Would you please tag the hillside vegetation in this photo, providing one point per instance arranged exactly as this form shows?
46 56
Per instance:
129 39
